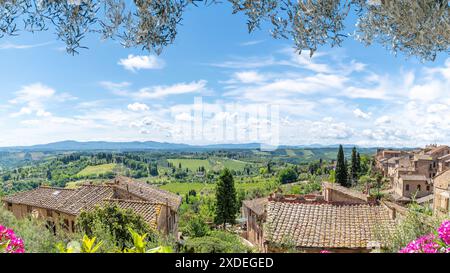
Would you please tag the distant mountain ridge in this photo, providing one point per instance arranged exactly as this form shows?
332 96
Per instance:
71 145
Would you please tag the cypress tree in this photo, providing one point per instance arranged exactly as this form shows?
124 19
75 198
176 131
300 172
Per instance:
354 166
226 201
358 163
341 168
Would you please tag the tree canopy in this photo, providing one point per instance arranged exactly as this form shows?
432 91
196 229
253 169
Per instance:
418 28
341 168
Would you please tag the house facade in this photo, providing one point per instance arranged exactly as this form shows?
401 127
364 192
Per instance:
61 207
441 202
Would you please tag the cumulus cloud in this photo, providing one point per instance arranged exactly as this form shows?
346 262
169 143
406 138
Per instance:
33 98
361 114
134 63
138 107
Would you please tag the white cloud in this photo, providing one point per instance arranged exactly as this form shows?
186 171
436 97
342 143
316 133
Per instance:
134 63
138 107
9 45
184 117
383 120
360 114
161 91
33 99
250 43
249 76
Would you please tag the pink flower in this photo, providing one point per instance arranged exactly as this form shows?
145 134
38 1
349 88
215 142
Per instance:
444 232
325 251
424 244
14 243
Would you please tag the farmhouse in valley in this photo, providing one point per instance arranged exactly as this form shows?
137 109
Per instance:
157 207
339 220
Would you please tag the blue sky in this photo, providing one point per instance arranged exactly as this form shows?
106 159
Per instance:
350 94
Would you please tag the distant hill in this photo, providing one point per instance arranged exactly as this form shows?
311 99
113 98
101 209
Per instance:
71 145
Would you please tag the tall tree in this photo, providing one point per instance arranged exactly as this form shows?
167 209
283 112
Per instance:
341 168
358 163
226 199
354 166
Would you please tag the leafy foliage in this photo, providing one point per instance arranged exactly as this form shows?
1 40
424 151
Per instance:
341 175
287 175
417 28
114 221
216 242
227 206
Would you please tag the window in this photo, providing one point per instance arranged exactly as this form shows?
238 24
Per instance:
407 187
428 187
29 209
49 213
9 206
419 187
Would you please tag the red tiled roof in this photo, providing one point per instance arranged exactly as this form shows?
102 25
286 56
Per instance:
325 225
43 197
149 211
147 192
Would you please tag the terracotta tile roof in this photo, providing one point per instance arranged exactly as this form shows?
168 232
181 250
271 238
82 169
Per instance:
257 205
43 197
147 192
437 149
325 225
85 198
149 211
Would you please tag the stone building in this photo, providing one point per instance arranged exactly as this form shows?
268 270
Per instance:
254 211
60 205
442 194
339 220
412 172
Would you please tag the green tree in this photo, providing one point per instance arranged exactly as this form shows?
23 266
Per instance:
341 176
113 220
354 166
227 206
358 163
287 175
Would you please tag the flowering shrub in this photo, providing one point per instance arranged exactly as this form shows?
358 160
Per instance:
438 242
9 242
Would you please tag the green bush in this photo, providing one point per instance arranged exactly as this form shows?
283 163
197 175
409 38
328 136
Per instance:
216 242
111 224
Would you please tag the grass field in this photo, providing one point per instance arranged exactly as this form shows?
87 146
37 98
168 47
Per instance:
231 164
97 170
290 153
216 164
191 164
183 188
